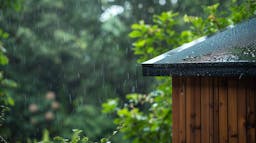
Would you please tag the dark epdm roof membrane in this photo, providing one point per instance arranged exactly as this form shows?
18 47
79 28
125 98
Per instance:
231 52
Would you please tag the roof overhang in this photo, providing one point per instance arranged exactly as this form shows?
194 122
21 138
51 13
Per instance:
231 52
201 69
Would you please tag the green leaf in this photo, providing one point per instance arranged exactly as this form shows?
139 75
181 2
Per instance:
9 83
5 35
136 26
76 136
104 140
61 139
135 34
10 101
3 50
46 135
3 59
140 43
85 139
123 112
150 50
212 8
133 97
110 106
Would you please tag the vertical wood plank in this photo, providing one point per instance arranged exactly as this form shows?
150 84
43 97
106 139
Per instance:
232 111
223 111
216 111
189 110
241 111
182 114
212 110
252 83
176 85
205 110
211 96
197 106
250 111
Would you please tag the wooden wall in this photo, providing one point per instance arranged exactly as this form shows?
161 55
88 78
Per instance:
214 110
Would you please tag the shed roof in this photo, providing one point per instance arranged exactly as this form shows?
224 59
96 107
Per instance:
231 52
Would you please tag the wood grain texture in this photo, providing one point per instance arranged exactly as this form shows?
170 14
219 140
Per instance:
205 110
214 110
197 106
241 110
232 111
176 85
211 94
250 111
189 110
182 114
223 111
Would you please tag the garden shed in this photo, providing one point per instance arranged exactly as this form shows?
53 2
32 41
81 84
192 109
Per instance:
214 86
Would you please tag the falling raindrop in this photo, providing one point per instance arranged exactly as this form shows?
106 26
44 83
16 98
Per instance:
70 98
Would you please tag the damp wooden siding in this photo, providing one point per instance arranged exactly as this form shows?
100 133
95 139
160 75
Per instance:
214 110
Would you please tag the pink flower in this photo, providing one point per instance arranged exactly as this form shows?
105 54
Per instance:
50 95
55 105
33 108
49 116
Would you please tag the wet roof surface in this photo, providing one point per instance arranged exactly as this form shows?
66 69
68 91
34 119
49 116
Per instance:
231 52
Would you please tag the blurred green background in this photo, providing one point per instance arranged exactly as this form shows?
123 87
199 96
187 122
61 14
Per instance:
68 57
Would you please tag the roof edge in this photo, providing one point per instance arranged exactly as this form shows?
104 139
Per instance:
201 69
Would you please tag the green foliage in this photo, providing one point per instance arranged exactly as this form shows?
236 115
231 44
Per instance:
89 119
3 57
6 99
149 114
62 46
12 4
76 137
155 37
147 117
163 34
110 105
